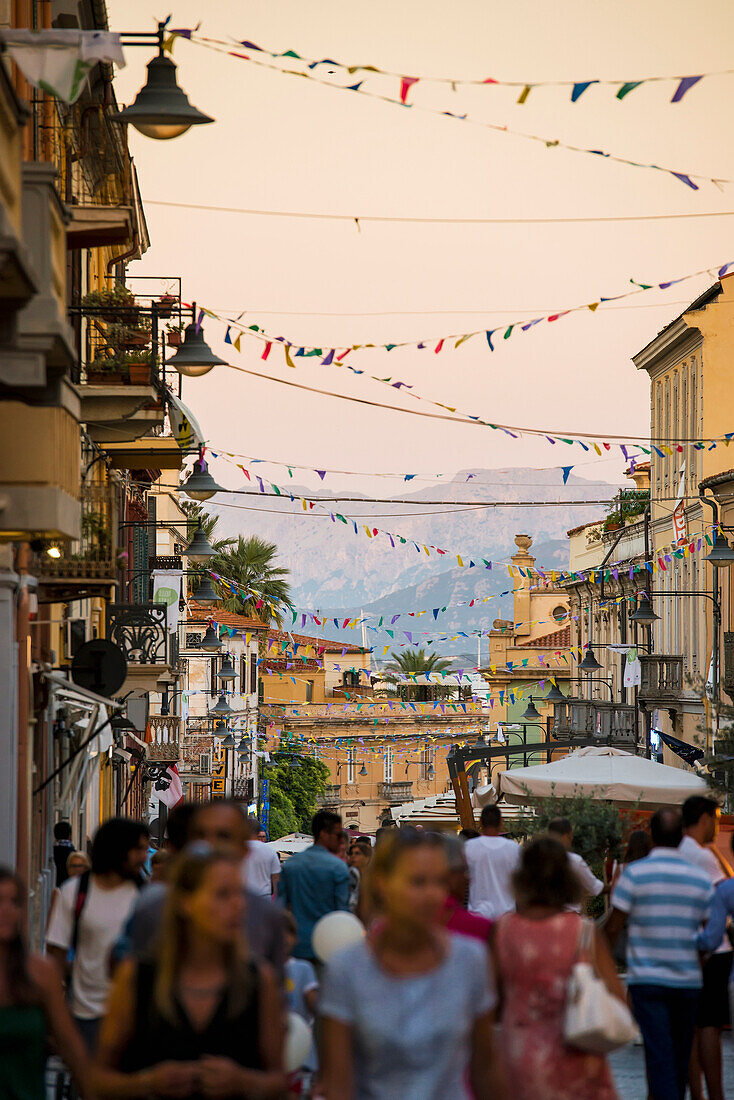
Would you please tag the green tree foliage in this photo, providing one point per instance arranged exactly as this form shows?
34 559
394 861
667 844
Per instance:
250 563
598 826
293 792
208 523
416 662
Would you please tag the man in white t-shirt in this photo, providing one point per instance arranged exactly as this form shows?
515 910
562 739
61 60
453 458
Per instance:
90 913
492 860
700 826
261 869
562 829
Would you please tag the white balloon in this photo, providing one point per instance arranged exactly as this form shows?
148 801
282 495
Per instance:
334 931
298 1041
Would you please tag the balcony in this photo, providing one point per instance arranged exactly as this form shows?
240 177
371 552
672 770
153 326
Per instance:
727 673
166 733
395 793
662 679
120 371
141 632
595 720
243 790
87 565
331 796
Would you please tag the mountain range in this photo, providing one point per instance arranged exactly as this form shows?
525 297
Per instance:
340 574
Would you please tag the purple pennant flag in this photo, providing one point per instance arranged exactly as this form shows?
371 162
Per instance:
251 46
685 179
328 359
394 620
687 82
321 473
723 270
409 636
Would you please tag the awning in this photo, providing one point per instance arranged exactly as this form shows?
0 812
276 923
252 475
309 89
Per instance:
151 452
97 226
602 772
184 425
67 689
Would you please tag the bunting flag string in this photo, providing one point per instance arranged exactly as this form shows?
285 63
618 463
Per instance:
660 561
494 338
687 178
683 84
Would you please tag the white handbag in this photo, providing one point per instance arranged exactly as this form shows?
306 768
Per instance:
595 1020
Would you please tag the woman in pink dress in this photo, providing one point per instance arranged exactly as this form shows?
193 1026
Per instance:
535 950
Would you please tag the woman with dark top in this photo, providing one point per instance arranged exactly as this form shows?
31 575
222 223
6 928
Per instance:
32 1008
203 1020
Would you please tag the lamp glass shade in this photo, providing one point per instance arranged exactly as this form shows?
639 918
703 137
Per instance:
243 745
220 728
228 742
211 640
362 771
204 593
590 663
199 549
227 672
431 773
161 109
221 706
120 723
200 485
643 614
194 358
722 555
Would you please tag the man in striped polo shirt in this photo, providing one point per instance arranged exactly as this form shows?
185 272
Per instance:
664 899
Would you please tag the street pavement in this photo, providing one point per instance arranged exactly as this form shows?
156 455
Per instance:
629 1071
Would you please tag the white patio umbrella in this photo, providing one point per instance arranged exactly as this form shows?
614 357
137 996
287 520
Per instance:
603 772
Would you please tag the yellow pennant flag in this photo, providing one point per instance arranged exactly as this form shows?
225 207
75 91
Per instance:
459 560
237 343
288 359
305 506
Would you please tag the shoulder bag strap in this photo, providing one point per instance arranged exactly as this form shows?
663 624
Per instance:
81 900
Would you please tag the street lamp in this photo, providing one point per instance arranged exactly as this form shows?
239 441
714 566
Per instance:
194 357
199 549
532 714
161 109
227 672
555 695
204 593
722 555
589 663
222 707
211 640
200 485
643 613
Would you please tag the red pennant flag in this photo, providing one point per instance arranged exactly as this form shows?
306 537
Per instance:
405 85
266 351
438 346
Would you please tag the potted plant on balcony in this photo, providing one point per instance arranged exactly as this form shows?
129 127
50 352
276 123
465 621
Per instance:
166 304
138 365
129 335
115 305
104 370
174 335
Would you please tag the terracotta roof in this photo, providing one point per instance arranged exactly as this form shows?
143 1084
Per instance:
291 664
198 613
320 643
558 639
583 526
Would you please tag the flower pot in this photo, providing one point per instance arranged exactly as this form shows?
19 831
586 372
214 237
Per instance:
104 378
174 339
139 374
165 305
135 340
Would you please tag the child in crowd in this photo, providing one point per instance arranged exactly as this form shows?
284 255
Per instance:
301 992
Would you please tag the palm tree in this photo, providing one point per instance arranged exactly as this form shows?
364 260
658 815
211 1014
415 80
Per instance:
249 563
414 663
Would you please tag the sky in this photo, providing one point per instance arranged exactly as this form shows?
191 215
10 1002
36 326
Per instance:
282 143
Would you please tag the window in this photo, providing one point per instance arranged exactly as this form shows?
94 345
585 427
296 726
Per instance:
560 614
254 687
205 763
427 763
309 691
389 761
351 761
214 664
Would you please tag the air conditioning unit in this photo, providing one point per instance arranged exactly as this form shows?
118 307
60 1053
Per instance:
205 763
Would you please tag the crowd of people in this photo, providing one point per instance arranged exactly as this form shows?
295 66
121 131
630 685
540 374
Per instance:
172 973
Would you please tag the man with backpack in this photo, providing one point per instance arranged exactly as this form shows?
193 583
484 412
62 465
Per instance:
89 914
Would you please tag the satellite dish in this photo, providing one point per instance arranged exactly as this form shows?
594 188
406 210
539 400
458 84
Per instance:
99 666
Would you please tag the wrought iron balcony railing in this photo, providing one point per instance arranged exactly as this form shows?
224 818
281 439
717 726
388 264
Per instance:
90 560
140 630
166 733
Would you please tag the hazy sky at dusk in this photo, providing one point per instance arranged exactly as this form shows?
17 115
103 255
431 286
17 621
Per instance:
284 143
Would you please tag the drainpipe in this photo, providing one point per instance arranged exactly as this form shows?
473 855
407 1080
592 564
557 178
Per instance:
714 505
25 746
